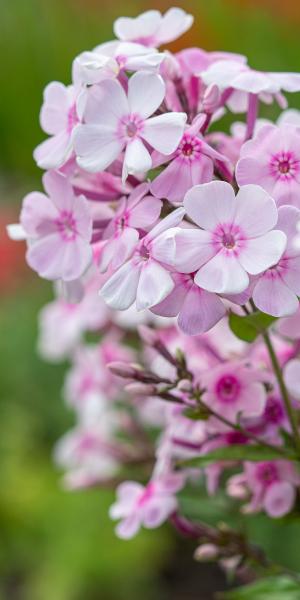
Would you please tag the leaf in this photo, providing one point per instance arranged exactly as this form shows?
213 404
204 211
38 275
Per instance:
249 327
271 588
196 414
235 452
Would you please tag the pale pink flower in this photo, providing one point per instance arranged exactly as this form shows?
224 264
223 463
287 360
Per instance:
115 121
58 228
272 160
108 59
242 80
138 211
59 116
191 163
144 277
103 187
151 28
292 377
89 384
234 241
273 486
290 326
277 290
182 437
62 323
147 506
197 310
234 388
87 454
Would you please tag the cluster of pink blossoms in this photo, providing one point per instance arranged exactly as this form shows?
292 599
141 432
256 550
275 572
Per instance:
152 221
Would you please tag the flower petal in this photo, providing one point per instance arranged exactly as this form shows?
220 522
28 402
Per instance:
137 159
292 377
211 203
154 285
279 499
53 152
146 92
164 132
106 104
119 291
96 147
173 182
171 305
201 310
193 249
263 252
272 296
256 211
145 213
223 274
53 116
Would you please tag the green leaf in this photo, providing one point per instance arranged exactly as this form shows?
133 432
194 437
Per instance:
235 452
249 327
271 588
196 414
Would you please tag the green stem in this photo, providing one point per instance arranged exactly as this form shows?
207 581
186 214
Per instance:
285 396
248 434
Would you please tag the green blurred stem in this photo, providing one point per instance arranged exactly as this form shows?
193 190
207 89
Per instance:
245 432
285 396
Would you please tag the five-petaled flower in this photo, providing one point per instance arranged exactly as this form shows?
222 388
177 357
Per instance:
114 121
233 239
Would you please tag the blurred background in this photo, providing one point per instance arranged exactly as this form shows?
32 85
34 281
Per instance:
54 544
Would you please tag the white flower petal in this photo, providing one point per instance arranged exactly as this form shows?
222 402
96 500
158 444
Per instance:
164 132
146 92
261 253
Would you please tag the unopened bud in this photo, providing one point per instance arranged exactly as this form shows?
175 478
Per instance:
229 565
122 369
140 389
206 552
211 98
184 385
171 67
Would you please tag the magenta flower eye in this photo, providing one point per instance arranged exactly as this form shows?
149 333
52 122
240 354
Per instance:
228 388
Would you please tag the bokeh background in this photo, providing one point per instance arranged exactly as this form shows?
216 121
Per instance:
57 545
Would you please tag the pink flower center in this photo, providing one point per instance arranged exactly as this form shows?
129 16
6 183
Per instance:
284 166
130 127
86 444
149 491
236 437
274 411
189 148
228 388
66 225
267 473
144 252
121 60
228 240
229 237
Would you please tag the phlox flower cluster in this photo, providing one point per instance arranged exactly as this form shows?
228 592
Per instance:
159 233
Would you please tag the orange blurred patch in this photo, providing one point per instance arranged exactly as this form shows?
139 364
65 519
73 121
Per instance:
288 10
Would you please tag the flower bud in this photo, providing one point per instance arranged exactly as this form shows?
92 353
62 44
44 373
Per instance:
211 98
184 385
206 552
140 389
122 369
